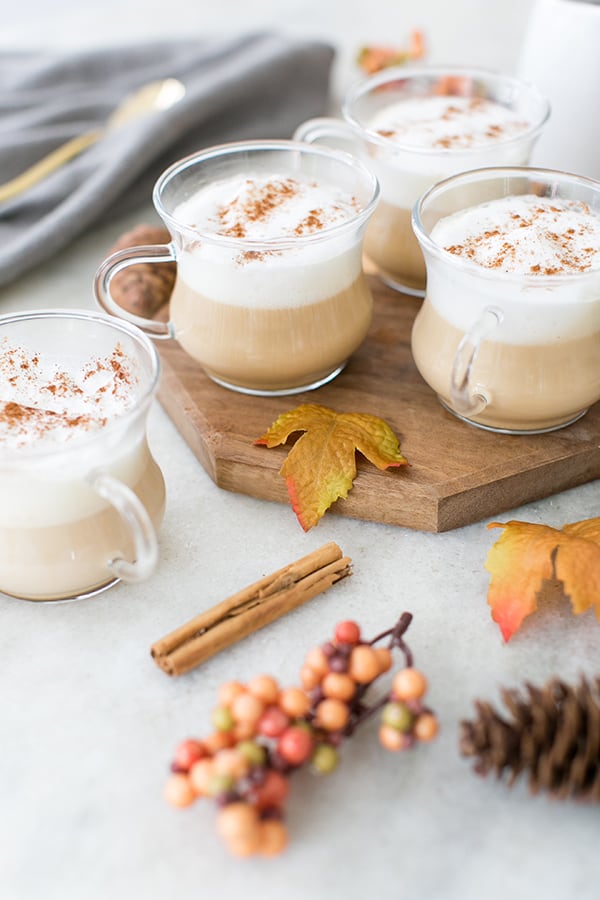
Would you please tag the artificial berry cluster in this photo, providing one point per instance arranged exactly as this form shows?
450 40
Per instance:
263 733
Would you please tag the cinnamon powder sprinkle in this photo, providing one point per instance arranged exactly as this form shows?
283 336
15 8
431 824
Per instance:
37 423
256 206
47 400
552 251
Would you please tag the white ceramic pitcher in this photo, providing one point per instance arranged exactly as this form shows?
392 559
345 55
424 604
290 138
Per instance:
561 56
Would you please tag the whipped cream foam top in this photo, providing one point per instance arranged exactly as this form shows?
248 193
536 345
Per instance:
46 401
526 234
447 123
267 207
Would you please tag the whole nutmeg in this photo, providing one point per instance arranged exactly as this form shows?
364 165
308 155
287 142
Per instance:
144 288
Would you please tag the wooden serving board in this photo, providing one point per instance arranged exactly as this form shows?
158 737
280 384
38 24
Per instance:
458 474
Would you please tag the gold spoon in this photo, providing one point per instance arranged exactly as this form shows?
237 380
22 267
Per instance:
151 97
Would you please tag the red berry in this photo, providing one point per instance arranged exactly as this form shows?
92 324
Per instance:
273 722
272 792
295 745
187 753
347 632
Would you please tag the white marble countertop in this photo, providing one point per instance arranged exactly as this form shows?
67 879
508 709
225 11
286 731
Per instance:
89 723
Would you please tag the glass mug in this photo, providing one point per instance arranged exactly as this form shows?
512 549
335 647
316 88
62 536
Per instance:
81 493
407 165
270 316
509 351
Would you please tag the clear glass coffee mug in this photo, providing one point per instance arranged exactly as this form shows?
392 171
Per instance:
509 352
267 317
404 168
81 493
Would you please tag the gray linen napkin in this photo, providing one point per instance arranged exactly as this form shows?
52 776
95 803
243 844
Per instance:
255 86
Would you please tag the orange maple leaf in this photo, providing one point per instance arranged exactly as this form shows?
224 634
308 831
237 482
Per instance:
527 555
375 57
321 466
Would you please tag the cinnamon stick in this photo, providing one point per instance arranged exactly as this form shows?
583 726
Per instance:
250 609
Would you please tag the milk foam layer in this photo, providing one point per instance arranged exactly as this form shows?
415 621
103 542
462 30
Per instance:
525 234
266 208
48 403
455 133
533 309
269 208
447 123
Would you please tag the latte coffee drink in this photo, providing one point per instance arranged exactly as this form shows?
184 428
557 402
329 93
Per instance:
268 318
432 134
416 125
70 437
518 293
270 296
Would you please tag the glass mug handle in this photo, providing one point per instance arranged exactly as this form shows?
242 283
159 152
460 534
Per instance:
325 129
466 398
122 259
134 515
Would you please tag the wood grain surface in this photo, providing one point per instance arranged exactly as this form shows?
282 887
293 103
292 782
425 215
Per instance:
458 474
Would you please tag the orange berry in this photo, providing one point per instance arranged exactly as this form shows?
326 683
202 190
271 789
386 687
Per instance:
332 714
179 791
392 739
309 678
317 661
230 762
339 686
294 702
201 774
247 708
265 687
237 820
229 691
385 658
426 727
245 845
218 741
409 684
364 664
243 731
273 837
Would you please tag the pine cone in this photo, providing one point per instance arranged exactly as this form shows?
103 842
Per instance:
553 736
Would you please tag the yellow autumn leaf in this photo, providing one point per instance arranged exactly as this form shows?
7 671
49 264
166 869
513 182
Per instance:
321 466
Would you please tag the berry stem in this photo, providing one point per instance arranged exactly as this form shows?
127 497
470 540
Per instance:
395 635
361 712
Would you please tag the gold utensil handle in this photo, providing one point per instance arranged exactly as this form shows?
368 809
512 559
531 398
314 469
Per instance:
48 164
